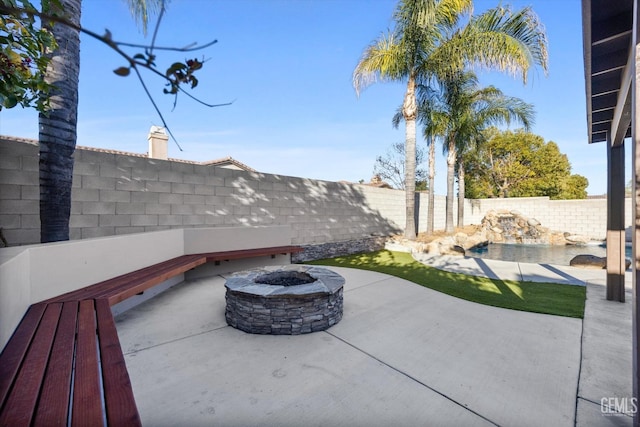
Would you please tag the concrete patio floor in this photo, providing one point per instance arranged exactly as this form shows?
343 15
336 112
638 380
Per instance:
403 355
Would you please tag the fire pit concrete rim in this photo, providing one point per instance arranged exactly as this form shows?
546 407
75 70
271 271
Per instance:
327 282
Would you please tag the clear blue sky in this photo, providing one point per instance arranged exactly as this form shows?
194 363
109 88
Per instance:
287 65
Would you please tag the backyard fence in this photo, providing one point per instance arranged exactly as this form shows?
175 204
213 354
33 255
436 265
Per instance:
120 193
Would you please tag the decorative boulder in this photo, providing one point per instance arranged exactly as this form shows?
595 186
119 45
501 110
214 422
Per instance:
459 250
433 248
577 239
557 239
533 222
452 250
461 238
592 261
588 261
476 241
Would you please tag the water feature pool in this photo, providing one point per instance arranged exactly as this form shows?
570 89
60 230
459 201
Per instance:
539 254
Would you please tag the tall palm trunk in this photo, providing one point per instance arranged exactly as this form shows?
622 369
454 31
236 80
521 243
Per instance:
409 111
432 174
57 133
461 193
451 173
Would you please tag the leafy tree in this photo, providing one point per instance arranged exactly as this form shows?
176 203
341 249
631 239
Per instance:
23 44
428 41
390 167
520 164
52 86
575 187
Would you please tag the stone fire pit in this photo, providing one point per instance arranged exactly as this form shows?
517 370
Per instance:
290 300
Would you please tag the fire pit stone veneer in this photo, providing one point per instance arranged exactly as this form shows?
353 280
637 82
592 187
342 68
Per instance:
292 300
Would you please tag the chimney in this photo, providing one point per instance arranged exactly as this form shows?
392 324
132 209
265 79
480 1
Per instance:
158 140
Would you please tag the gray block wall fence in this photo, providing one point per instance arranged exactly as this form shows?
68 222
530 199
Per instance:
119 193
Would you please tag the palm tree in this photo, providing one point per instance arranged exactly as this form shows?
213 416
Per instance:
458 114
431 180
427 42
399 56
428 102
58 126
466 112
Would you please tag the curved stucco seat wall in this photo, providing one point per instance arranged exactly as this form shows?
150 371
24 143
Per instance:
29 274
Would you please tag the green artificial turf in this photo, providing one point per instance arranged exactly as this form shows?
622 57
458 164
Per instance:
548 298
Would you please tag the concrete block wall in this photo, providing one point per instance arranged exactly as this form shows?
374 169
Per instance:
440 206
116 193
19 192
30 274
391 204
119 193
584 217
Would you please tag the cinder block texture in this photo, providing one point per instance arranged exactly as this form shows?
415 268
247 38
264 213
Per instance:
116 193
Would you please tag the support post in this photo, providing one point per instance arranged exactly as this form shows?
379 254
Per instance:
615 222
635 171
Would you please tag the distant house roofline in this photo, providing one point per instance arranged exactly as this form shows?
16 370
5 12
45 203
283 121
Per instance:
222 162
228 161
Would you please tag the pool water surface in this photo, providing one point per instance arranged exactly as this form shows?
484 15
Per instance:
539 254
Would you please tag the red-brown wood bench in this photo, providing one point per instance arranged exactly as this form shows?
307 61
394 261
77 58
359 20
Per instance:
64 364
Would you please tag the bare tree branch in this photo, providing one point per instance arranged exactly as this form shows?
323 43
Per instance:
187 48
164 123
137 61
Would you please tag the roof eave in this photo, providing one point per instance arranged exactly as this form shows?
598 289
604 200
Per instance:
586 46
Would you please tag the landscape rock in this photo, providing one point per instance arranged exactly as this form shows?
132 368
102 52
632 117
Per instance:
496 227
333 249
433 248
513 227
478 240
592 261
588 261
457 250
577 239
461 238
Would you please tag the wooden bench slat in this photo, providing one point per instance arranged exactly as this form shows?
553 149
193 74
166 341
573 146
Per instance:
87 397
87 291
53 406
129 289
118 394
20 406
247 253
94 291
77 329
148 276
14 352
146 273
